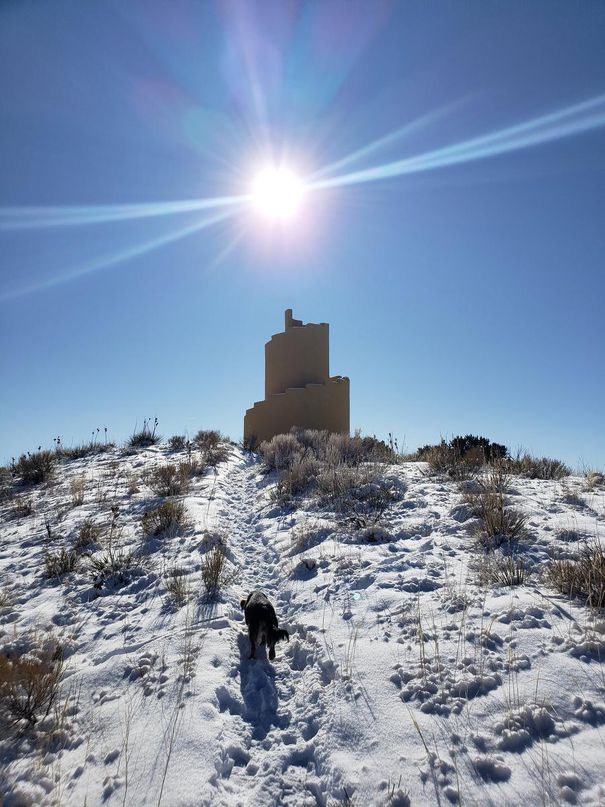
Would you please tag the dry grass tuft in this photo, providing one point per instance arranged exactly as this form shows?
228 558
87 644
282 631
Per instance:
177 442
177 586
76 488
113 569
572 497
501 570
88 536
537 467
215 572
7 599
21 509
498 523
167 519
594 480
584 576
56 564
146 437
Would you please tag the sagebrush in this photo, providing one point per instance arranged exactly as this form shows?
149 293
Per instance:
166 519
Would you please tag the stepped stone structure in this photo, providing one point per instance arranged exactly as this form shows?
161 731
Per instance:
298 388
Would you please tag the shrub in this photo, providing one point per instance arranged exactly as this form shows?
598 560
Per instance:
366 505
594 479
307 457
36 468
146 437
170 480
330 449
84 450
207 439
336 482
57 564
583 576
537 468
280 452
30 681
6 484
177 442
216 455
461 455
440 458
298 477
166 519
215 574
193 467
481 446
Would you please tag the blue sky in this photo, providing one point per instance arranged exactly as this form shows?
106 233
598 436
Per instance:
465 295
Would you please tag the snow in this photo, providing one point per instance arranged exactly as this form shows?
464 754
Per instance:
404 681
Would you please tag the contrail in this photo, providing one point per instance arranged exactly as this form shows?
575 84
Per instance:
119 257
572 120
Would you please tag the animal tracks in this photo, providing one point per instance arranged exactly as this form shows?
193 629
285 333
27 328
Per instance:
272 747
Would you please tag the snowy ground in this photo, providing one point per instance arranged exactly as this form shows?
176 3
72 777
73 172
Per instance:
404 681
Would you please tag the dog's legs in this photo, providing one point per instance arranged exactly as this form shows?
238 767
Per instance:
252 643
271 652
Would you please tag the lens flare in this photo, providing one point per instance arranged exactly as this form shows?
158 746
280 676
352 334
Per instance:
277 192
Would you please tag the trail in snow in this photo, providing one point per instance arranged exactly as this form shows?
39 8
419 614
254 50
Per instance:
272 748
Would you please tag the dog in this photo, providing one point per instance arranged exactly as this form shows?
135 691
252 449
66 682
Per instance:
262 623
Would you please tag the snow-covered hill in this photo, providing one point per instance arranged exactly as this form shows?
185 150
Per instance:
406 680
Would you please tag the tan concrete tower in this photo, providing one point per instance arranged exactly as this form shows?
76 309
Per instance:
298 388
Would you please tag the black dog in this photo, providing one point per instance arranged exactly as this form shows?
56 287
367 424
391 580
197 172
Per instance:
262 623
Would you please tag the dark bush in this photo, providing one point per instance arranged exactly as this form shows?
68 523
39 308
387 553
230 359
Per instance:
36 468
461 455
146 437
490 451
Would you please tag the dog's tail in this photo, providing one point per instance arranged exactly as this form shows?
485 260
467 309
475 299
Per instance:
281 634
242 603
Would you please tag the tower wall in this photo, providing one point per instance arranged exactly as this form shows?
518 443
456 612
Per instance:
298 356
298 389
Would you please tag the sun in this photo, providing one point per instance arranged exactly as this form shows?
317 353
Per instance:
277 192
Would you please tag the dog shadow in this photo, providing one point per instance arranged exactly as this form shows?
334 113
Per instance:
259 692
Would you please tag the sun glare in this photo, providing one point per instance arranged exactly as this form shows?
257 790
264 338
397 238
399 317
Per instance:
277 192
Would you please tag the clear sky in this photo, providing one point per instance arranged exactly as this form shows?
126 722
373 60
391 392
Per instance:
452 230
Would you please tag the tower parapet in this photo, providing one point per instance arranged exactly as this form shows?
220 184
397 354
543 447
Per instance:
298 388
